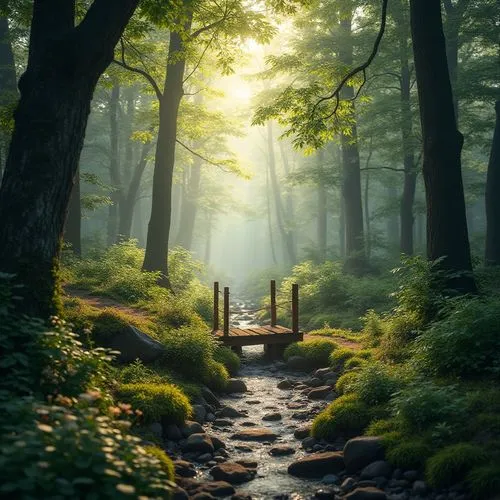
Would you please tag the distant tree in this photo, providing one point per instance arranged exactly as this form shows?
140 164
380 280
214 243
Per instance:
64 65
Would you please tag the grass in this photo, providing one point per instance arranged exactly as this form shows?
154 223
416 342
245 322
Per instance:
315 351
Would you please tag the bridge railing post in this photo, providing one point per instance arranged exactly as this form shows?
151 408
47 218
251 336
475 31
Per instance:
216 306
295 308
273 303
226 311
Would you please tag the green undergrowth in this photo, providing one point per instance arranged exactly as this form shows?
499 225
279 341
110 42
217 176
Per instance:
426 382
316 352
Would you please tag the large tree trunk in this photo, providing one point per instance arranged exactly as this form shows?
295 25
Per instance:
128 201
492 254
73 226
189 206
64 65
285 233
442 145
8 86
354 234
114 164
156 255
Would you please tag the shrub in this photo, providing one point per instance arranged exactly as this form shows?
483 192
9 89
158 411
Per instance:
466 342
188 351
373 327
228 358
166 463
409 454
451 464
355 362
376 383
215 376
339 356
380 427
423 403
347 415
345 383
165 401
402 328
70 451
315 351
484 481
138 373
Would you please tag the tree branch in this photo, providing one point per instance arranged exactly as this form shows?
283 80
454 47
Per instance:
210 162
139 71
383 168
359 69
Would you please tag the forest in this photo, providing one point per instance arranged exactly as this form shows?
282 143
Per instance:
250 249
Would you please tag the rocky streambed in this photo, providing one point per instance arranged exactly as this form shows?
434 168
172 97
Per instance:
254 443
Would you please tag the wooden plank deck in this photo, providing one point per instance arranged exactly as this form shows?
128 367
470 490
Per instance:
265 334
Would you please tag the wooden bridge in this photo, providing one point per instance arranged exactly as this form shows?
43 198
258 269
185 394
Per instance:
273 336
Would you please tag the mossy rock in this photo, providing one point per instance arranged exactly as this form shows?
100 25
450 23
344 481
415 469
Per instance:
215 376
165 402
347 415
316 352
451 464
228 358
166 463
408 454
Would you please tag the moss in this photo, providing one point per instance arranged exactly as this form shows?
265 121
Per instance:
216 376
392 439
484 481
345 383
340 356
315 351
165 401
228 358
347 415
409 454
355 362
166 463
451 464
380 427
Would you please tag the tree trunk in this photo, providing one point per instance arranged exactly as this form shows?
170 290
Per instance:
286 235
354 234
72 229
189 206
114 164
366 207
393 233
208 244
492 254
8 84
270 218
442 144
322 226
64 65
289 214
156 255
128 201
342 224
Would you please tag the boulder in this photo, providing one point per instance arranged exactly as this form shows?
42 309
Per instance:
247 463
223 422
319 392
308 442
210 397
313 382
217 442
179 493
235 385
191 427
200 443
323 373
172 432
297 363
369 493
199 413
380 468
255 435
216 488
285 384
302 432
419 488
233 473
134 344
183 468
272 417
157 429
317 465
229 412
281 450
362 451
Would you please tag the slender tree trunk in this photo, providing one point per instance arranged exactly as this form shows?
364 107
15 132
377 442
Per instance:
208 244
322 210
366 206
64 65
270 218
72 229
8 85
354 233
128 201
393 232
156 255
442 145
289 214
114 164
285 233
342 224
492 254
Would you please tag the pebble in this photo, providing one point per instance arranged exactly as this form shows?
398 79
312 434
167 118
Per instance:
281 450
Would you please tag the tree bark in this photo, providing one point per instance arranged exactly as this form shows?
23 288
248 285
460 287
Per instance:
492 254
442 144
156 255
72 229
354 232
114 165
8 84
286 235
64 65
